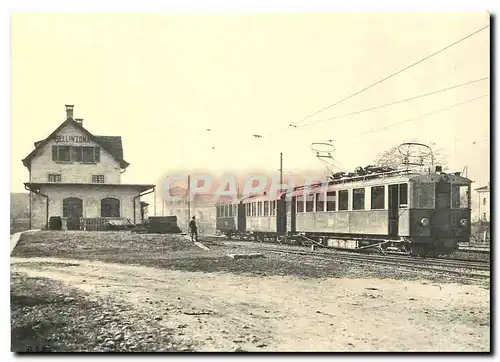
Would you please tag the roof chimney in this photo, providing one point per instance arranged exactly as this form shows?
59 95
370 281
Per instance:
79 121
69 111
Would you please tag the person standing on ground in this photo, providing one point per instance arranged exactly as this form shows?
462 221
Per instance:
194 229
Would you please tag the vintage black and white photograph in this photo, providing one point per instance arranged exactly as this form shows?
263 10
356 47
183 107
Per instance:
250 181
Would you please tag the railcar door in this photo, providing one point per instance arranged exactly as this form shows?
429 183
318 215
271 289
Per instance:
281 215
293 211
440 219
241 218
393 210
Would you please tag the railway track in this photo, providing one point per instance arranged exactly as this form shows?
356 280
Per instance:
460 268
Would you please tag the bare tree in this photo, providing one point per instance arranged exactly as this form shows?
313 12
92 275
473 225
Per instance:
393 158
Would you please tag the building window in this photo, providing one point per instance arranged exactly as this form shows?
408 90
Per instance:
76 154
97 179
378 197
331 200
110 207
484 201
484 217
61 153
87 154
310 203
300 203
54 177
358 199
320 202
72 207
343 200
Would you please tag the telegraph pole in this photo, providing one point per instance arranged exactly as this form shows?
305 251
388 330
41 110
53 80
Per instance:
189 201
281 172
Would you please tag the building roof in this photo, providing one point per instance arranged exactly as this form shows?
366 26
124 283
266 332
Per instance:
484 188
36 185
112 144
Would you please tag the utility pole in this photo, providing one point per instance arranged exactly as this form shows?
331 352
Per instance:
281 172
154 195
189 201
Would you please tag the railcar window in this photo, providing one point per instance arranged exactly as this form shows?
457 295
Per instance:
266 208
320 202
300 203
378 197
247 207
403 195
331 201
259 208
459 196
343 200
217 210
424 195
358 199
273 208
310 203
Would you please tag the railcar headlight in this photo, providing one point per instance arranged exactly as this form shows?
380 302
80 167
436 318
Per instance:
424 221
463 222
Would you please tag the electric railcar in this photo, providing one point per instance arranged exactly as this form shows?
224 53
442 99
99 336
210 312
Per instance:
424 213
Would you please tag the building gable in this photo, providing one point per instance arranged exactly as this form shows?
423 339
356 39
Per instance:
71 132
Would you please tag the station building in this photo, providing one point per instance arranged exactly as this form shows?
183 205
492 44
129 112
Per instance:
76 175
484 203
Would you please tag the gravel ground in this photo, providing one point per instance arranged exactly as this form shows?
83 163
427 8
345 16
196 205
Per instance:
50 316
165 294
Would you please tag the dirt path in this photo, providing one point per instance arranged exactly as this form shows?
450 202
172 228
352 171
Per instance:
219 312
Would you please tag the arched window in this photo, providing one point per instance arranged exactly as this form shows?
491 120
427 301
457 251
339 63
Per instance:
72 207
110 207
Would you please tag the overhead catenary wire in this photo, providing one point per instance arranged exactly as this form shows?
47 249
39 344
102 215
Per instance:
417 118
393 103
389 76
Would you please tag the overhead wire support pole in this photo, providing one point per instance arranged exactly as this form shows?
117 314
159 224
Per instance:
188 201
281 172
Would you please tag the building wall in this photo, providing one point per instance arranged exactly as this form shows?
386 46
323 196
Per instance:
484 205
91 198
76 172
205 216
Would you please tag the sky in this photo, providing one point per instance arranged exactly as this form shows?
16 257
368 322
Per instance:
160 80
